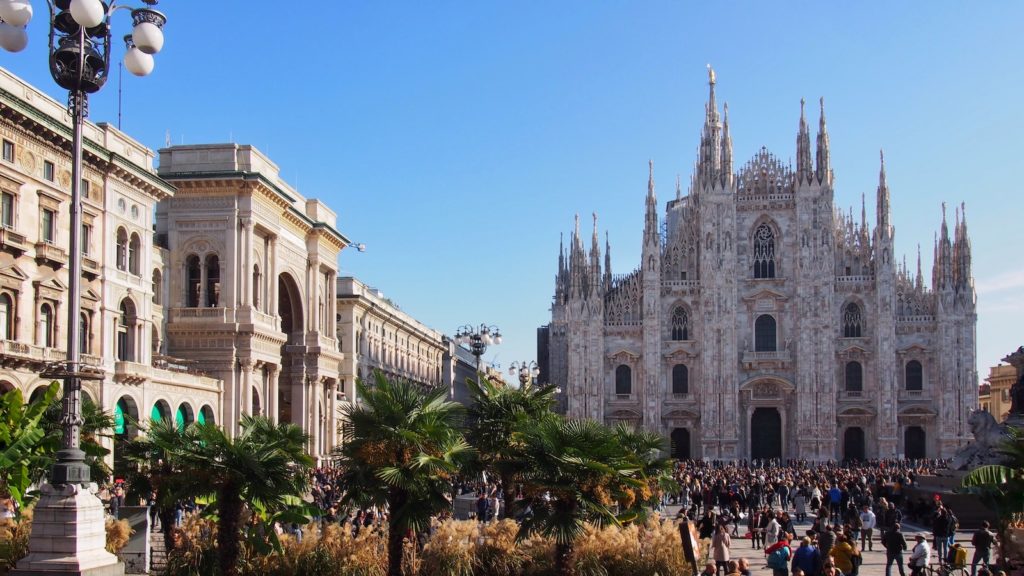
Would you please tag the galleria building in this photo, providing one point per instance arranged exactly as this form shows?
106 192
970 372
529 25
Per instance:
764 323
209 286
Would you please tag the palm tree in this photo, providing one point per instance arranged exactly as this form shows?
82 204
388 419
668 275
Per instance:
264 466
402 446
496 418
1001 486
578 472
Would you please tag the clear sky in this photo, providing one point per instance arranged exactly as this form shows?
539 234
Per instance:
458 139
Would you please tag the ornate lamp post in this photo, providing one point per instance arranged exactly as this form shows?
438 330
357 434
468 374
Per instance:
527 372
80 45
478 338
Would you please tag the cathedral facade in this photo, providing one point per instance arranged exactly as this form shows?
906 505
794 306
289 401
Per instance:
764 323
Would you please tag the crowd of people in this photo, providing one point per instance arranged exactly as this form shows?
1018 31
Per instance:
855 507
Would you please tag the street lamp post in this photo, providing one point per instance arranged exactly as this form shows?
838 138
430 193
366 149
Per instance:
478 338
80 44
527 372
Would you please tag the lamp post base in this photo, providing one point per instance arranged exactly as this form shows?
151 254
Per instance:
69 536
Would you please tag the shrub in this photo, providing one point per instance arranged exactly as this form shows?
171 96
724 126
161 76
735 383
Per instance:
14 535
118 534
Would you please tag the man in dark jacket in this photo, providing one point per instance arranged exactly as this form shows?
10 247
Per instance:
982 540
895 543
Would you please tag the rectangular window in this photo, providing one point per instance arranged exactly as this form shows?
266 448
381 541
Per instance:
84 191
7 210
8 151
46 226
48 170
86 238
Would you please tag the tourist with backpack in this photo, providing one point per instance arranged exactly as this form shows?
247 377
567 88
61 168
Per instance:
779 555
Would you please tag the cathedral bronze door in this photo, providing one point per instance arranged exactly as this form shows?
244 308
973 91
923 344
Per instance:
914 443
681 444
853 443
766 434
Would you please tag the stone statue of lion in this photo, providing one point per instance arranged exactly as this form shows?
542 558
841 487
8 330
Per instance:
988 435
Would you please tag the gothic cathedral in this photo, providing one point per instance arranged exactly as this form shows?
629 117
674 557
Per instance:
764 323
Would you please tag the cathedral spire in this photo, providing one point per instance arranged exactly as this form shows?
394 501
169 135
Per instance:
710 156
882 203
803 147
679 188
607 263
824 156
651 214
919 281
962 250
726 147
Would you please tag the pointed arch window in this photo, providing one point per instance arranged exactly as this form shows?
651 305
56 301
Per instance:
680 379
914 376
212 281
765 336
46 326
852 321
764 252
134 254
193 280
121 255
6 317
126 321
680 324
84 338
854 377
623 380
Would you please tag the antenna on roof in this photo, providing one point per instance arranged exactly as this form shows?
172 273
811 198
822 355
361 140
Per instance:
167 138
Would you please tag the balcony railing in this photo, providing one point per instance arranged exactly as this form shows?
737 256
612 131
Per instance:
851 394
11 347
11 240
912 395
47 252
681 396
622 397
762 356
200 315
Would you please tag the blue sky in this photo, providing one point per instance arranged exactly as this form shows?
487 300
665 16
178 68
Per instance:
458 139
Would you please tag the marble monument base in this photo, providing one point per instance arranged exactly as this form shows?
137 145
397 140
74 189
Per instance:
68 536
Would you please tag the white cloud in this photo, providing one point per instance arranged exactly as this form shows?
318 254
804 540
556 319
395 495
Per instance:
1006 281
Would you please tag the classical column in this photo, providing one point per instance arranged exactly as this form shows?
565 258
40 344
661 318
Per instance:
332 420
246 277
272 394
202 283
272 279
246 395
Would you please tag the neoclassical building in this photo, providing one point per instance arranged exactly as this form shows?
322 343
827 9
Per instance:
123 313
250 286
763 322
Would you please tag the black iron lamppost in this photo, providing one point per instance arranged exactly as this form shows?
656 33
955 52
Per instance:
527 372
80 46
478 338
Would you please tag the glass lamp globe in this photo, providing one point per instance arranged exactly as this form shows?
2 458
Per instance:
12 38
148 37
87 13
138 62
497 339
487 339
16 12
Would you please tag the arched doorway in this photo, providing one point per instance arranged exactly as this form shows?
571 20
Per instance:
206 416
914 443
5 387
853 444
161 411
766 434
680 444
289 308
183 416
126 418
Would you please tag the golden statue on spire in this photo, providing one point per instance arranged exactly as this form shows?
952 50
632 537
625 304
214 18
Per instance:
711 74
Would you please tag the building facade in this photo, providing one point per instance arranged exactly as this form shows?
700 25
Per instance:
765 323
250 286
994 395
122 306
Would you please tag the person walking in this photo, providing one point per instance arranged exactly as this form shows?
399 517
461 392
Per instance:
867 527
720 544
756 531
842 554
983 540
773 529
920 556
895 543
